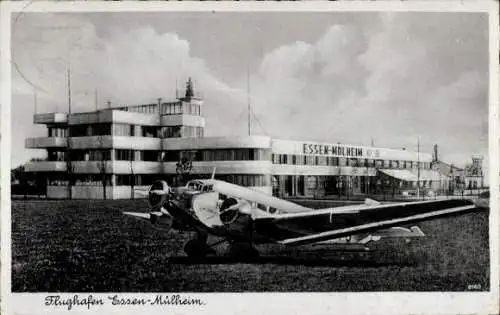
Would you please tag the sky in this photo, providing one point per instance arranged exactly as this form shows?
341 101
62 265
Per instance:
353 78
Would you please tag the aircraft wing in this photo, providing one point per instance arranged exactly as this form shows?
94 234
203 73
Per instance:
327 224
139 215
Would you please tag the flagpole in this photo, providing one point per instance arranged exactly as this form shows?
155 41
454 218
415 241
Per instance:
418 168
248 100
35 105
96 101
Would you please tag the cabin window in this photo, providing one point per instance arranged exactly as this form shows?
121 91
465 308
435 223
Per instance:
207 188
262 207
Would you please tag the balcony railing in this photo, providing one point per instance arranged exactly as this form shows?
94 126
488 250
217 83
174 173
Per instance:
50 118
45 142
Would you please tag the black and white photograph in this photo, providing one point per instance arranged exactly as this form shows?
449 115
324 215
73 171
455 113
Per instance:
250 151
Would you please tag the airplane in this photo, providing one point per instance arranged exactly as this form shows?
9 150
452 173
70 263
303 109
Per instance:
245 218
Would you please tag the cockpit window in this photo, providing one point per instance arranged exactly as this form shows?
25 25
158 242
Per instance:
194 186
207 188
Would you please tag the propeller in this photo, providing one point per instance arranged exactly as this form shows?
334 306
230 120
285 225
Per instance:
158 198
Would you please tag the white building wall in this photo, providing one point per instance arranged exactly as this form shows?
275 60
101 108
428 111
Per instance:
124 192
265 189
286 169
182 119
45 166
262 142
97 192
115 116
45 142
299 148
224 167
57 192
50 118
116 142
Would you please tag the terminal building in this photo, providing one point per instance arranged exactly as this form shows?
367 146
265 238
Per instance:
116 152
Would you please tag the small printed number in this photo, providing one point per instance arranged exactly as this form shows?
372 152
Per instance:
474 287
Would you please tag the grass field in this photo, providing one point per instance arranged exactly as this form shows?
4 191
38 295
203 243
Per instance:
89 246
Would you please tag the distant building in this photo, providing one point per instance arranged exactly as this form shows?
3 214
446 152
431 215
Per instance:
470 177
116 151
473 173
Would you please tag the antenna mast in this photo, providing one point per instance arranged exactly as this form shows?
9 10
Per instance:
418 167
95 98
248 100
35 105
69 89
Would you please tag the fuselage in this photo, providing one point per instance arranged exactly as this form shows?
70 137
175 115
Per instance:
200 206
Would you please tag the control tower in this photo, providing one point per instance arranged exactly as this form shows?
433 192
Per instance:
183 118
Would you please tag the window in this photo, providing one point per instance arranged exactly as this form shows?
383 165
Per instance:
171 132
149 155
57 132
312 182
246 180
275 158
199 132
125 180
123 130
354 162
310 160
149 131
88 130
99 155
124 155
332 161
342 161
100 129
86 155
57 179
224 155
78 130
92 179
56 155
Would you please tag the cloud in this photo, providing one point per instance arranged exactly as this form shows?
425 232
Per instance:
390 84
393 81
133 67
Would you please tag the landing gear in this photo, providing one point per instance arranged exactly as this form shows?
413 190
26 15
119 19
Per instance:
243 251
197 248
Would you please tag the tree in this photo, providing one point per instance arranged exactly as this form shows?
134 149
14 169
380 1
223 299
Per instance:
184 168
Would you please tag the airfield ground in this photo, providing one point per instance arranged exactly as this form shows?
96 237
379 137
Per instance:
89 246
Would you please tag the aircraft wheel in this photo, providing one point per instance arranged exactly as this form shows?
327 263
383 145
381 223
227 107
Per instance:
195 249
244 251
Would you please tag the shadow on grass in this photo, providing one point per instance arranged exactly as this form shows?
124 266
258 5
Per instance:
366 261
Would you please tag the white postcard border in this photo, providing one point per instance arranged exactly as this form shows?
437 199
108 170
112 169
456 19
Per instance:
256 303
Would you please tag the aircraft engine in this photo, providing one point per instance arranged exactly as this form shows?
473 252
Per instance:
158 195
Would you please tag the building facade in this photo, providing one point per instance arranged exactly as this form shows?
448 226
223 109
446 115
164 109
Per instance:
117 152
